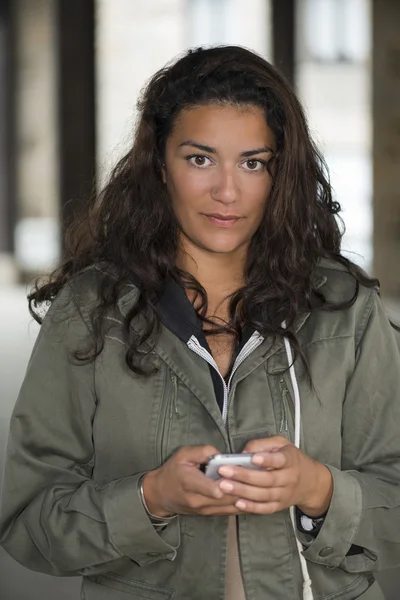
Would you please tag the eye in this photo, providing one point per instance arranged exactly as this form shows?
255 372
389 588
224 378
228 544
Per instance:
198 160
253 164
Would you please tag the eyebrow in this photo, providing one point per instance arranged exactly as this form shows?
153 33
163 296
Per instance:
211 150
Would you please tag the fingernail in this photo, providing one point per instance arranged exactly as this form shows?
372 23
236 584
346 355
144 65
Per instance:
258 460
226 486
226 471
241 504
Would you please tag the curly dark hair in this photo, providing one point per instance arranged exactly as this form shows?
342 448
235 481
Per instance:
130 225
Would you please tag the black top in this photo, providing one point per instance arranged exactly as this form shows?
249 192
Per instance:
177 313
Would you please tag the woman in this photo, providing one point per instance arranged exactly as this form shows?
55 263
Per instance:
203 297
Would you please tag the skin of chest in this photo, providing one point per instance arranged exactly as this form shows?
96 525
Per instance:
222 347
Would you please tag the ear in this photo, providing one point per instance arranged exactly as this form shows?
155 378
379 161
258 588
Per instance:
164 174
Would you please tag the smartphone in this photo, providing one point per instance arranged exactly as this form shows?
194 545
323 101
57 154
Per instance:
234 460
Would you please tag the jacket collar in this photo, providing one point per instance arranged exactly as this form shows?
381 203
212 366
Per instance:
318 280
177 314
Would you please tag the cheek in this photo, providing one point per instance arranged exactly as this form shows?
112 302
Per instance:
187 190
259 194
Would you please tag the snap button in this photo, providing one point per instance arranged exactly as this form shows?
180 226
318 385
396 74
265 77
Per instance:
325 552
153 554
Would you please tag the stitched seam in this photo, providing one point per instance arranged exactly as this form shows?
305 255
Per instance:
112 337
345 589
99 270
367 311
328 339
79 308
366 483
114 320
139 585
290 534
323 339
93 362
334 268
252 432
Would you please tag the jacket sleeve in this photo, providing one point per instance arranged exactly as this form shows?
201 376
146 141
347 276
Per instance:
54 517
365 507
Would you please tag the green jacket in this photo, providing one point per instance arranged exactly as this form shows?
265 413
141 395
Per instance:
82 434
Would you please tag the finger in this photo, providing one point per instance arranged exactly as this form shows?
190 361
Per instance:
208 489
250 492
196 455
197 503
266 444
271 460
259 508
256 477
194 482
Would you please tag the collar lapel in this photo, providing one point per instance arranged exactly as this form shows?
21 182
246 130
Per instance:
173 351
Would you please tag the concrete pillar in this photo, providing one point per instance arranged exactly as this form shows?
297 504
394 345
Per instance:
386 144
284 36
36 160
133 40
55 155
7 137
74 21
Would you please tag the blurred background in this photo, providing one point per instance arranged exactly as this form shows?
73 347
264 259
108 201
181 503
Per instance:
70 75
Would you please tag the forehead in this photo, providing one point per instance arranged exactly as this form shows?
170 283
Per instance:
223 125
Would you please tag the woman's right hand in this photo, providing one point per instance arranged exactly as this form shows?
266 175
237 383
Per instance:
179 487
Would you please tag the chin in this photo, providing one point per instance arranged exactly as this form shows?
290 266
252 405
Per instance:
221 248
217 244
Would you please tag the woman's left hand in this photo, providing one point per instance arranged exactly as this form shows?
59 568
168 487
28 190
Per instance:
287 477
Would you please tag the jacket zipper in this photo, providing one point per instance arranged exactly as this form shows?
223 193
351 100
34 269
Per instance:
253 343
168 411
287 407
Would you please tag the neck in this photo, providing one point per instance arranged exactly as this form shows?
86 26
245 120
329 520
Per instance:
221 275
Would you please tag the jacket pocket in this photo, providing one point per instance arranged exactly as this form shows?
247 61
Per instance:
168 410
374 592
286 425
98 588
336 584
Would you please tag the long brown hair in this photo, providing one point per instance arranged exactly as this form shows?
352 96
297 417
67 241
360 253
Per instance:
130 224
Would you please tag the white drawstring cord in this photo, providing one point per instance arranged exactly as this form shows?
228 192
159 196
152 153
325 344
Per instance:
307 589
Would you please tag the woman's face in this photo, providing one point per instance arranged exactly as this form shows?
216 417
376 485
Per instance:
216 174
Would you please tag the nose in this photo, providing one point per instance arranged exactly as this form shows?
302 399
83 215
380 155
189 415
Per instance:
225 189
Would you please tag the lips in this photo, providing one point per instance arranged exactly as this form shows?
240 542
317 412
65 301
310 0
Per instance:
223 220
220 217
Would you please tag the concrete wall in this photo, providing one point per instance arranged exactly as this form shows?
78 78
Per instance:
386 143
36 139
336 94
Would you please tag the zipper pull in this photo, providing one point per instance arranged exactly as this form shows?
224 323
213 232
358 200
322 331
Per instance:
283 386
285 392
173 405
